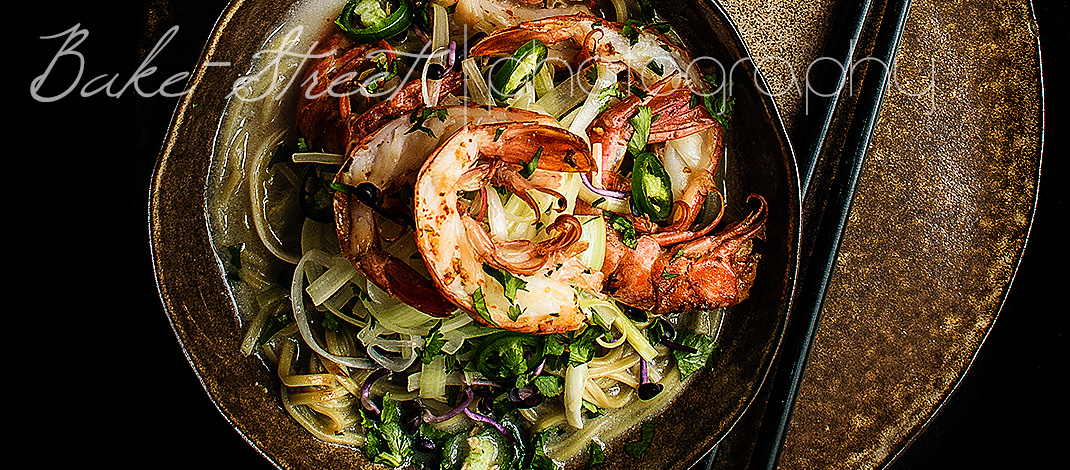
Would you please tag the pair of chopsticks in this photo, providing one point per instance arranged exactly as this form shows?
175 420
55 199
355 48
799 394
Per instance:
826 225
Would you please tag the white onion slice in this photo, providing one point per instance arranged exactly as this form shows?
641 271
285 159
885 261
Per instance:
301 318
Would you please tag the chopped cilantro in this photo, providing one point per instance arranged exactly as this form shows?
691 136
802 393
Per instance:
509 282
676 255
581 348
385 442
548 385
530 166
626 229
498 133
646 437
331 321
481 306
420 116
274 325
691 362
640 130
433 345
596 454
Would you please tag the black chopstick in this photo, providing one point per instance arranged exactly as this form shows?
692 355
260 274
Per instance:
819 107
829 227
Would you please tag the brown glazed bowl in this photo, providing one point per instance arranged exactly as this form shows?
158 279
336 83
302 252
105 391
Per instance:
206 322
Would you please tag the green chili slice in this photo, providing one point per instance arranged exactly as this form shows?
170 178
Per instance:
365 21
651 187
518 69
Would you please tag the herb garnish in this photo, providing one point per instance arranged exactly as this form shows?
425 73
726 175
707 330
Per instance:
691 362
420 116
433 345
596 453
385 442
480 304
510 283
530 166
646 437
626 229
640 129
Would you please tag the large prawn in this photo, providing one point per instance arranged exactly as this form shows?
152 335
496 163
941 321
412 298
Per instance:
481 274
675 266
532 284
379 169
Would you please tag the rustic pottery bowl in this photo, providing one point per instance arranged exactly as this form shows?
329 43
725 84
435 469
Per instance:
206 320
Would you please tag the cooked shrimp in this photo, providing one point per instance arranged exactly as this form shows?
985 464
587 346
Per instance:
492 15
461 256
377 170
701 274
651 57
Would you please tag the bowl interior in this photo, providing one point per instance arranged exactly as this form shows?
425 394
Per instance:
206 321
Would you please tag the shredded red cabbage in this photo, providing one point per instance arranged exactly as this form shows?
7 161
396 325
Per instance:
365 390
468 396
599 191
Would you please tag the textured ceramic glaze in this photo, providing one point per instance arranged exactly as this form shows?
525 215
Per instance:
936 231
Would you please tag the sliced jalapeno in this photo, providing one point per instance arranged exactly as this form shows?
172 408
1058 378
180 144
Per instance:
651 187
365 21
518 69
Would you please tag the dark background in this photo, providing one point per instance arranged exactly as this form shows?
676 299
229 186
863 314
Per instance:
96 369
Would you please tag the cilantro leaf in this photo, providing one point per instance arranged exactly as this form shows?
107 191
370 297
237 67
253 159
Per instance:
691 362
480 303
331 321
420 116
498 133
581 348
646 437
509 282
641 130
433 345
591 411
626 229
596 453
548 385
274 325
536 458
530 166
